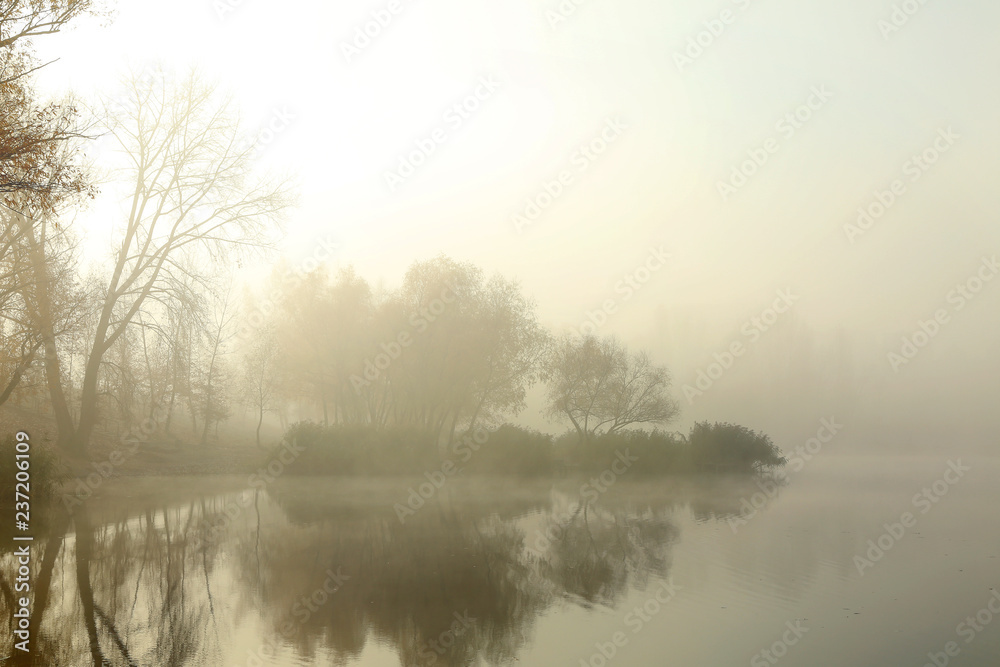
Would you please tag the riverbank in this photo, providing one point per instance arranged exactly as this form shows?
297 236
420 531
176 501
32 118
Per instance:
119 456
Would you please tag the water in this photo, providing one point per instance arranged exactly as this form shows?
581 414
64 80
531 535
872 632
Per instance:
209 571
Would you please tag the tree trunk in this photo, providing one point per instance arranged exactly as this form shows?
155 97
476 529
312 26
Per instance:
84 552
44 319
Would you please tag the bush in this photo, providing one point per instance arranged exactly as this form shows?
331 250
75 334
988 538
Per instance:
731 448
345 450
657 451
402 450
513 450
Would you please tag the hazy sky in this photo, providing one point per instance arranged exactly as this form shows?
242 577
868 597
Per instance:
879 96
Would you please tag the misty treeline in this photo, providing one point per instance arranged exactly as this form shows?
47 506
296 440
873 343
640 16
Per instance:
158 334
448 351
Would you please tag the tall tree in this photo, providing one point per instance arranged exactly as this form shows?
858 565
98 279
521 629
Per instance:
193 198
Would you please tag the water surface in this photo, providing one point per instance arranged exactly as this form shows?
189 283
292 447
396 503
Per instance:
321 571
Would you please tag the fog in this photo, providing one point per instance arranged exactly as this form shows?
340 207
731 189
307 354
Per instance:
687 125
631 293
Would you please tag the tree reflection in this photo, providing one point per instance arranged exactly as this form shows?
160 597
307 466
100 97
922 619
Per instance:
456 584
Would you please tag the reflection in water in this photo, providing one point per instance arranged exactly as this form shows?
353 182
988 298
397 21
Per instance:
271 577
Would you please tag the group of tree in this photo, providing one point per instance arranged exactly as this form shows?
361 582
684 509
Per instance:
158 334
147 328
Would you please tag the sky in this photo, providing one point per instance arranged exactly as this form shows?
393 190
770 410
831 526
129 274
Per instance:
739 138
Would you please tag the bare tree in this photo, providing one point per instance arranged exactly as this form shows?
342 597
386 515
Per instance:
598 387
260 374
39 301
24 19
193 198
217 335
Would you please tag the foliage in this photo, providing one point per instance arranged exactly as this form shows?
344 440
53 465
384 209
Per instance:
353 449
725 446
447 351
408 450
367 450
657 451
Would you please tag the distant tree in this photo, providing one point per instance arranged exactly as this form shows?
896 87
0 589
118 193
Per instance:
259 379
599 387
210 395
448 350
476 346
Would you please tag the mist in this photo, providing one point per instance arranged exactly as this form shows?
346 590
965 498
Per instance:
631 294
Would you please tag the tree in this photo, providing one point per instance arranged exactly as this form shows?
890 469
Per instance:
212 404
598 386
260 374
39 300
447 350
192 200
476 347
24 19
38 173
33 138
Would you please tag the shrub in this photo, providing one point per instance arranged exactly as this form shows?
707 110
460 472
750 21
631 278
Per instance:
731 448
403 450
344 450
513 450
657 451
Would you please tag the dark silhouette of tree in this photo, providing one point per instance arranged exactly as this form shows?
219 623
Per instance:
599 387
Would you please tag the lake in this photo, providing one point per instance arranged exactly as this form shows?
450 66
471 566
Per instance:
848 561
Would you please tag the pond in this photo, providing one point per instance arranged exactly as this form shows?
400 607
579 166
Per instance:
857 561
